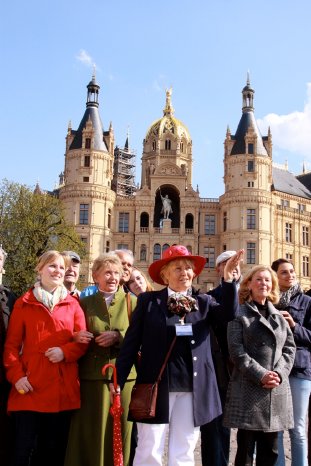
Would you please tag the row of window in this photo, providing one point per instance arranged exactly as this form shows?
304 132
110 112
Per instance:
289 234
209 223
167 145
210 226
300 207
209 253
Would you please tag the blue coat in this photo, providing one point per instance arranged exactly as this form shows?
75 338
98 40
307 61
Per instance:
148 331
300 309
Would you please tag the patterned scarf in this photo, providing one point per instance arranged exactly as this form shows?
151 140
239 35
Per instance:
286 296
180 304
48 299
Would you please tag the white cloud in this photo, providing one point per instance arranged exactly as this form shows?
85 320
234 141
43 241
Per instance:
85 58
291 132
156 86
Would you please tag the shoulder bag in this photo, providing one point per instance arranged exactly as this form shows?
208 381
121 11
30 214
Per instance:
144 395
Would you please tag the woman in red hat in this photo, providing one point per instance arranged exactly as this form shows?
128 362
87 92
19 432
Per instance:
187 393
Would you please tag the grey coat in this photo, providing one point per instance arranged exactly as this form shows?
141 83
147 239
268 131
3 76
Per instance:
257 345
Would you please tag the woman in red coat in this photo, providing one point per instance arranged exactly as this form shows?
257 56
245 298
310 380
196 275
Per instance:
40 358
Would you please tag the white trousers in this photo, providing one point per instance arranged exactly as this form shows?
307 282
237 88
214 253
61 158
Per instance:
182 439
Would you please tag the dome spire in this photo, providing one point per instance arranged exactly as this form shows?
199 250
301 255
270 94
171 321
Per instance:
168 110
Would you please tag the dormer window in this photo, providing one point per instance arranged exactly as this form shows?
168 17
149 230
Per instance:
88 143
250 148
154 145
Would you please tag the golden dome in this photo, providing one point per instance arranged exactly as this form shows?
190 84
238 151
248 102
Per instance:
168 124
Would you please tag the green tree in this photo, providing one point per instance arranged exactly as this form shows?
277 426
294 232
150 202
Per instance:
31 222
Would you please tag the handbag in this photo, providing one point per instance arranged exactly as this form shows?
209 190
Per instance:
144 395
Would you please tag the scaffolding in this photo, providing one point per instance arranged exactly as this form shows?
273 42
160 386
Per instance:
123 182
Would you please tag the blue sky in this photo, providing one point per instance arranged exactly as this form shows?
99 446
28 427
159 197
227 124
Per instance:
202 48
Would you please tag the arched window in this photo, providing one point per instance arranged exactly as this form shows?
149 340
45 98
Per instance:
167 144
143 252
189 221
144 220
156 252
164 247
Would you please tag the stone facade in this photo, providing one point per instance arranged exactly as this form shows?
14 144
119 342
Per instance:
264 209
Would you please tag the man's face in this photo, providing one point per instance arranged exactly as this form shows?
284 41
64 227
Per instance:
221 268
127 264
72 273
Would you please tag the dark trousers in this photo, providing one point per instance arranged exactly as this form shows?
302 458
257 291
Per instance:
215 443
6 427
40 438
266 448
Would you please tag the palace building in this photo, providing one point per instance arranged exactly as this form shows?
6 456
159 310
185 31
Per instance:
265 209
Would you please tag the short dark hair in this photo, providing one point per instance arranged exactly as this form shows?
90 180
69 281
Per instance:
276 264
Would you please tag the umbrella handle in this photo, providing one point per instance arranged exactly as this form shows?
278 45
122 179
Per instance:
104 369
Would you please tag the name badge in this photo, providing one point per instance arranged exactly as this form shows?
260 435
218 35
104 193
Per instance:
183 330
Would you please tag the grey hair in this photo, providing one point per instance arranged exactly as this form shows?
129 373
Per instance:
127 251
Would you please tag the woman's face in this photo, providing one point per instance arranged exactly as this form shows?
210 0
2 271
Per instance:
137 283
179 275
108 278
260 286
52 274
286 276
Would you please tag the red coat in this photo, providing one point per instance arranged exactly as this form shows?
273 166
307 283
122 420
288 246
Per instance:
32 330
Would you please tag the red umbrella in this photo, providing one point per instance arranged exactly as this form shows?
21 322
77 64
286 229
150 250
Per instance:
116 411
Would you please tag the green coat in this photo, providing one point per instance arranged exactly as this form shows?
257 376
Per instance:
100 319
90 439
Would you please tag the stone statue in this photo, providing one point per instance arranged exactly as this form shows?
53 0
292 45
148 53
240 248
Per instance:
166 206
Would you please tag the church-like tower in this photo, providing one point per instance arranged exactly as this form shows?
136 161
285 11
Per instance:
246 206
86 190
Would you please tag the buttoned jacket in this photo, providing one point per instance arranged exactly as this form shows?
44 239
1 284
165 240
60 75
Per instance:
257 345
149 333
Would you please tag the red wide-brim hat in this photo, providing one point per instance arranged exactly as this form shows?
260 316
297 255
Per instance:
173 253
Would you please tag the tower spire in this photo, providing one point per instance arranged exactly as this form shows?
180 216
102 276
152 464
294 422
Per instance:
248 96
92 91
248 82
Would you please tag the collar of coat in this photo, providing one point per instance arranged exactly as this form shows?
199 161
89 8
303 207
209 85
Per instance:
271 321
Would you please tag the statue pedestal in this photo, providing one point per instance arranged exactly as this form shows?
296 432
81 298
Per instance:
167 225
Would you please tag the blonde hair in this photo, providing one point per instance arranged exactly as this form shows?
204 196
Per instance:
49 256
168 265
104 260
245 293
149 286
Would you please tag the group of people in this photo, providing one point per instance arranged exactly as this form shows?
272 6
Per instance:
240 359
